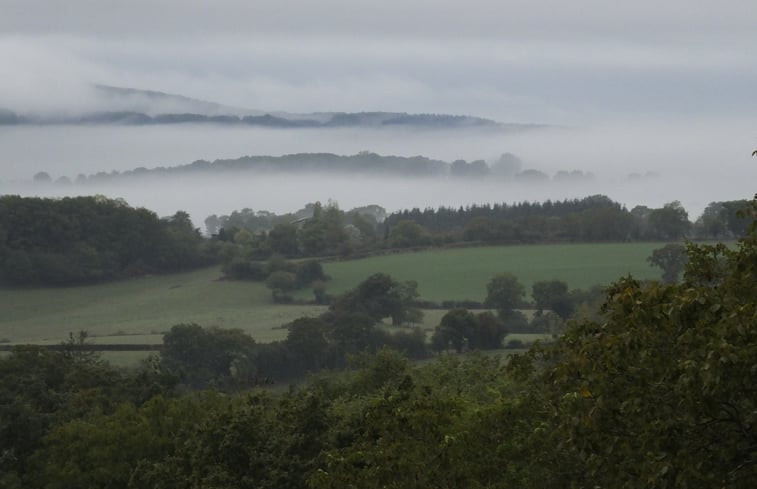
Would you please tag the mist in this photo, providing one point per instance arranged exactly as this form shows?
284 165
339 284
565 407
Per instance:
664 92
634 164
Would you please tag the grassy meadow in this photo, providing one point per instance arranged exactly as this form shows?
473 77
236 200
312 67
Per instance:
140 310
462 273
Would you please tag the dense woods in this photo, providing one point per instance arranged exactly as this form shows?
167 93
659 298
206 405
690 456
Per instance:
89 239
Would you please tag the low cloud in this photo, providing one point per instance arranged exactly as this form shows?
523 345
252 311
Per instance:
512 81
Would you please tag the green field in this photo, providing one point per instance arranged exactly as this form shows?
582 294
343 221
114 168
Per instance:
115 312
462 273
141 310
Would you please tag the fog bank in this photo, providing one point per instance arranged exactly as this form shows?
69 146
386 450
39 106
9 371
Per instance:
694 162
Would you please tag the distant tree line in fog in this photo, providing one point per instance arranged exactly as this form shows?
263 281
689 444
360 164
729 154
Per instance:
507 167
279 121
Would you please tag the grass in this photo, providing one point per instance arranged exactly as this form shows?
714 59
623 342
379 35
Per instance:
463 273
148 306
140 310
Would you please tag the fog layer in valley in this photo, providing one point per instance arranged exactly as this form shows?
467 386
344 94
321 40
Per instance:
641 88
648 164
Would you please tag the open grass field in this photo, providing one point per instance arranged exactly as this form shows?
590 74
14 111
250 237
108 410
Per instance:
140 310
116 312
463 273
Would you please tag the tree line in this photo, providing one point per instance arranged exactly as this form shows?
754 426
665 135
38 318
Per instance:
251 237
590 219
88 239
77 240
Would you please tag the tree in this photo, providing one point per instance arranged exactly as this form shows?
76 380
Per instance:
324 232
669 222
42 177
212 225
281 283
553 295
489 332
203 356
407 234
104 450
283 239
380 296
308 342
660 392
460 328
365 224
672 259
308 272
319 292
508 165
504 292
454 330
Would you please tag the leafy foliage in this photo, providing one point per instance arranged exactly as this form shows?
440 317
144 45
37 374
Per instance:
380 296
671 258
660 394
504 292
460 329
199 356
553 295
89 239
41 389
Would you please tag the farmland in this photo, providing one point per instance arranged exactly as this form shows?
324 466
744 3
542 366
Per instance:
145 306
140 310
462 273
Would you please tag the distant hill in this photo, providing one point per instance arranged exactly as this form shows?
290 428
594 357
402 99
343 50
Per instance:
130 106
364 163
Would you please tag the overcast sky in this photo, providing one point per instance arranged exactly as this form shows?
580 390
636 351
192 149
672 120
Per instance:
563 62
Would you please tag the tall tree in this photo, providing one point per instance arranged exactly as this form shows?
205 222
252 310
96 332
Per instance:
671 258
553 295
504 292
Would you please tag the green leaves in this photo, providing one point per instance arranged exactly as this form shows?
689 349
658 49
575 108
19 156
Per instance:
667 374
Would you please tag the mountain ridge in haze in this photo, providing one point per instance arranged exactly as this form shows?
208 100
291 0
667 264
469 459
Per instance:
364 163
131 106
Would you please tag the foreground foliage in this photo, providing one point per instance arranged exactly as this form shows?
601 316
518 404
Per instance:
662 393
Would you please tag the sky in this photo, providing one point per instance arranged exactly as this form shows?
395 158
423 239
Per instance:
554 62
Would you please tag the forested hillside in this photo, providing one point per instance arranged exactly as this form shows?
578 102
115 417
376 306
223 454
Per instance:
89 239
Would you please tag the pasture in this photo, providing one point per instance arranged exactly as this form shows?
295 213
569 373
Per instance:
140 310
462 273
